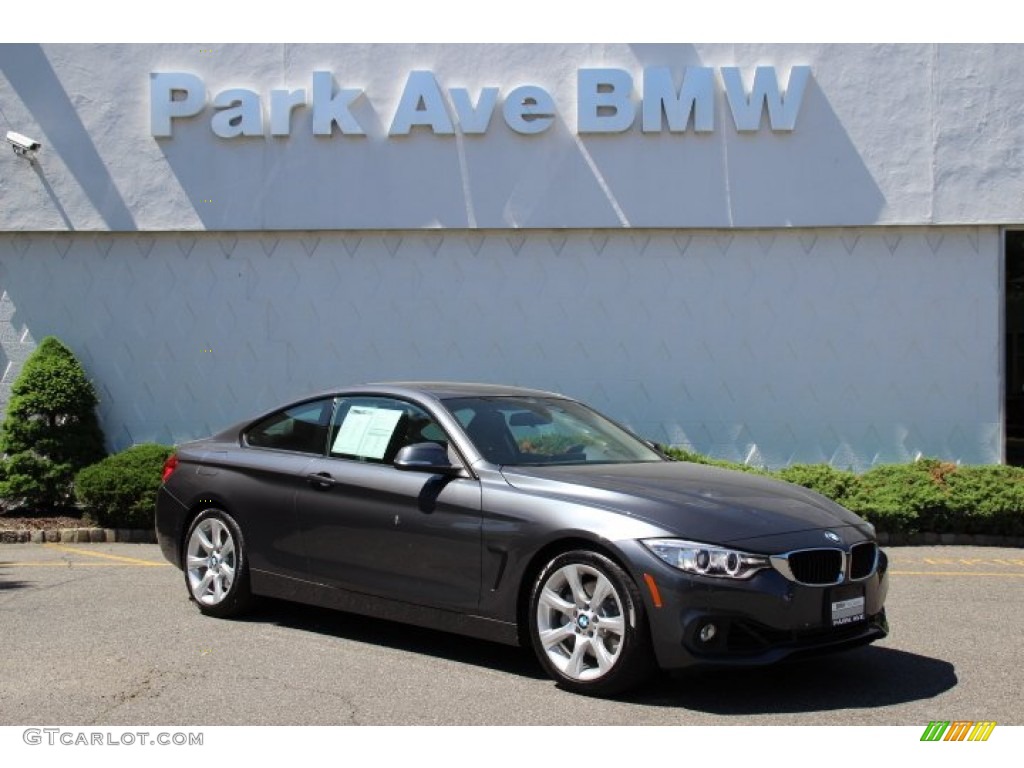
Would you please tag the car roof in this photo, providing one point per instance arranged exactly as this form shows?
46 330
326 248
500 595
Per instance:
445 389
438 390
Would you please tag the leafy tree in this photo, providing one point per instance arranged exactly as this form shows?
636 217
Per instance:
50 431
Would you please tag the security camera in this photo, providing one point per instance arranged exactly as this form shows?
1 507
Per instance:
23 145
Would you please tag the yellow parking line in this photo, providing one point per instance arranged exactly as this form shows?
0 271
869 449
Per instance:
954 573
105 556
969 561
69 564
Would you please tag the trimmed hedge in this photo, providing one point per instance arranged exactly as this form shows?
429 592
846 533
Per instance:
837 484
928 495
120 491
681 454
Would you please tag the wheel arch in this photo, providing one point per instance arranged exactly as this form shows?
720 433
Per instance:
218 579
545 555
198 505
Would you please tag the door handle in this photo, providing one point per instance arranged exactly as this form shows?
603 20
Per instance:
322 481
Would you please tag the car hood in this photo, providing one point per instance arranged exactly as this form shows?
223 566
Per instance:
691 500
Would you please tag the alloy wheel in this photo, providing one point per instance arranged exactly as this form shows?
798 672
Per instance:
580 621
211 561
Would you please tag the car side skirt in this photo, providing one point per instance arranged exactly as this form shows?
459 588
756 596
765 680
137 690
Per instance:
300 591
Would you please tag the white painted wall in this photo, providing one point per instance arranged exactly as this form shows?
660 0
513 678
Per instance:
894 135
854 346
828 293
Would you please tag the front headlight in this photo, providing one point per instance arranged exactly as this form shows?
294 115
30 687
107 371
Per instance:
707 559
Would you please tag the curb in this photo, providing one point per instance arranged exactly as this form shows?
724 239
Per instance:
79 536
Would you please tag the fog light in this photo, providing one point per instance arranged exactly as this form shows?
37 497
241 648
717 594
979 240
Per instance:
707 633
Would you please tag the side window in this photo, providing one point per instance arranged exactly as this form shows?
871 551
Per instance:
375 429
301 428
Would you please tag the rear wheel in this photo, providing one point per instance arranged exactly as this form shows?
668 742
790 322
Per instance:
587 625
217 565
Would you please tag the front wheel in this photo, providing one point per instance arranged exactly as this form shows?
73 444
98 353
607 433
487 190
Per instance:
587 625
217 565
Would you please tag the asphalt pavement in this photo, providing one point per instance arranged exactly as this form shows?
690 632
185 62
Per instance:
103 634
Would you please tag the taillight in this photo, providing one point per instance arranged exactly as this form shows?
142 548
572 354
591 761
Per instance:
169 466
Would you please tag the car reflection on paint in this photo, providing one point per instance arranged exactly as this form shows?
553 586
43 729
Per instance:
518 516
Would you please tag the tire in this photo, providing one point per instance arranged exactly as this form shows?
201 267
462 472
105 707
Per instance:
216 565
597 649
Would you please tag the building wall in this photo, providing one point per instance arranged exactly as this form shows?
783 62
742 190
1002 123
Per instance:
907 135
819 287
853 346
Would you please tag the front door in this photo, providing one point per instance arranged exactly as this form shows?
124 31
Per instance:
374 529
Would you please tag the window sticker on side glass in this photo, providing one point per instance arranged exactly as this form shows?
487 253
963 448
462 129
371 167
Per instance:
366 431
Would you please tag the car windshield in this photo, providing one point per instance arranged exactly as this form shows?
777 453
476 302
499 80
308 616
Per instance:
541 431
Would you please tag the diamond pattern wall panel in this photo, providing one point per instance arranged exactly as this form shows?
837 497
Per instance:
849 346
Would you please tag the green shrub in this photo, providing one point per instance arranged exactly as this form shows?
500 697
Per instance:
987 499
681 454
50 431
836 484
120 491
901 498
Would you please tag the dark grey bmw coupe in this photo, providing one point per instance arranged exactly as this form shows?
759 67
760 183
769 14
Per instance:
523 517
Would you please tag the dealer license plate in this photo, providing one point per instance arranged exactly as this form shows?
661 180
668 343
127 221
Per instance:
847 611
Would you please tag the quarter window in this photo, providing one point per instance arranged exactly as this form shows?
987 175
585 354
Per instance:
301 428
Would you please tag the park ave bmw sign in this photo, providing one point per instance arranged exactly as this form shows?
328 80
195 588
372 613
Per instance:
608 101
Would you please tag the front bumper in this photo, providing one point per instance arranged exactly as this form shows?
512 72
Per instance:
761 620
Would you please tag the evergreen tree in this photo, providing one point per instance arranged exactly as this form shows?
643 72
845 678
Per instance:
50 431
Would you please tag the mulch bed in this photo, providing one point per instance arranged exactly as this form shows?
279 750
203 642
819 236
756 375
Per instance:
42 520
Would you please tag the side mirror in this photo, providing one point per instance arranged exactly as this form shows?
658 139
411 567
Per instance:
425 457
